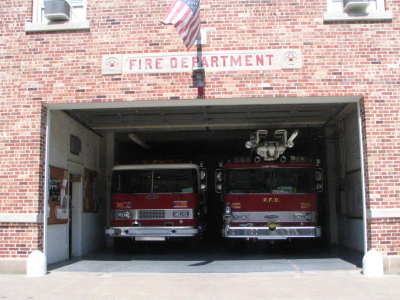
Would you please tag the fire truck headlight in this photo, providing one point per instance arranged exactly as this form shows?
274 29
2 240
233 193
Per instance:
219 178
122 215
228 210
306 216
203 174
318 175
227 219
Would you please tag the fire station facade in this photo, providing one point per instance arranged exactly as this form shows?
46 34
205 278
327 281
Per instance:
106 56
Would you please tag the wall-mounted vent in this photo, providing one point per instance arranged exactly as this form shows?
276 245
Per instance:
355 6
57 10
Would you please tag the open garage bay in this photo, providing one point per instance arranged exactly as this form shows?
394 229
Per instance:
207 132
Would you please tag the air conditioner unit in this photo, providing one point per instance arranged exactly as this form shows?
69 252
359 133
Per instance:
57 10
355 6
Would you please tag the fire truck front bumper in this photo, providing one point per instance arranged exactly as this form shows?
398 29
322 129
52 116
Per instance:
150 232
278 233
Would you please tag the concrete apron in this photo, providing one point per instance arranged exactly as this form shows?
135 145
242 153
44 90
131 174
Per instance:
124 286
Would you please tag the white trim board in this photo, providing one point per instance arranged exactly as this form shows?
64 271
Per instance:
37 27
20 218
377 213
207 102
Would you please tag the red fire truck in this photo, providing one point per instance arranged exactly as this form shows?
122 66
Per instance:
270 197
156 202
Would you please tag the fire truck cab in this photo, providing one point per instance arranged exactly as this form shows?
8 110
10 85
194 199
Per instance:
270 201
156 202
270 196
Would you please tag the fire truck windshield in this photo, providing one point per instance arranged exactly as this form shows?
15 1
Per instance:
270 180
154 181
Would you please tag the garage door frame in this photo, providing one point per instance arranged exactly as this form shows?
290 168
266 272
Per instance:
201 103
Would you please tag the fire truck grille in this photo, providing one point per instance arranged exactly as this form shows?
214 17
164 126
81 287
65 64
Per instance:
151 214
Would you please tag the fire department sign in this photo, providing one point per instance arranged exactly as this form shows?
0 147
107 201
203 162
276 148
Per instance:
212 61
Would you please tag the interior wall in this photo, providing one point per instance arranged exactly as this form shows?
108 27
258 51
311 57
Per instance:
332 170
57 243
89 224
349 204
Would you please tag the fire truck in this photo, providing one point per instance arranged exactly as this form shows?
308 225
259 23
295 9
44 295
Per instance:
270 196
157 202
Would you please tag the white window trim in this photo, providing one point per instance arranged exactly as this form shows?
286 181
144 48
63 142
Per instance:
379 15
37 26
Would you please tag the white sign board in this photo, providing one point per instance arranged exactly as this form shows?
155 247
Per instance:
217 61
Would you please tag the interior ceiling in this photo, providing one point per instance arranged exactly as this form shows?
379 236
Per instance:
205 122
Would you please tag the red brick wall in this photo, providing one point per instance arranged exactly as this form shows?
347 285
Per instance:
340 59
384 235
19 239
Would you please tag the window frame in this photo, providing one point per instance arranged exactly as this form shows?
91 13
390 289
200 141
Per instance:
335 12
37 25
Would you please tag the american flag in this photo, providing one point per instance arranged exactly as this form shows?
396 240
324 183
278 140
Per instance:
185 16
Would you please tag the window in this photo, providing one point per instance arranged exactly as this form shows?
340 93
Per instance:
270 180
154 181
174 181
132 181
348 10
77 17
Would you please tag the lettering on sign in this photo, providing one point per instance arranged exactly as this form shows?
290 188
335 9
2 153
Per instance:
212 61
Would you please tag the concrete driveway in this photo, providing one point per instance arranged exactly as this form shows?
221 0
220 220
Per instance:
199 286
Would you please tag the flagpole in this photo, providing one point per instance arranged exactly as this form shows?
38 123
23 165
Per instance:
185 16
200 76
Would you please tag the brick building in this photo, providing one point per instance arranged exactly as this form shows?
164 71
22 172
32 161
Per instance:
72 89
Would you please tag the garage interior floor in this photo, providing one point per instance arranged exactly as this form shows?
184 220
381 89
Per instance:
180 257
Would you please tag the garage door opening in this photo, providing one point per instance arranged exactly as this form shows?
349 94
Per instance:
212 132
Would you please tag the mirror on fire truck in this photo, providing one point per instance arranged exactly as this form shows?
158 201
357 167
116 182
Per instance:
203 179
319 181
219 178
